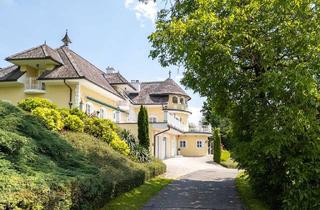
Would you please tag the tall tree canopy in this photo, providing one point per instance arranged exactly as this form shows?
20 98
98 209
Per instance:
258 63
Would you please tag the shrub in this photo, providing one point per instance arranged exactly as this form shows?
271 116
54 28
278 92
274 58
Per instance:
138 153
11 143
64 112
217 146
79 113
50 117
52 171
73 123
225 155
29 104
99 128
119 145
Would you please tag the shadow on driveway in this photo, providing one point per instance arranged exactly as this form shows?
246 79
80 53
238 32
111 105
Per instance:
198 190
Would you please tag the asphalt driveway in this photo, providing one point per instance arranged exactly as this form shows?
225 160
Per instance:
200 184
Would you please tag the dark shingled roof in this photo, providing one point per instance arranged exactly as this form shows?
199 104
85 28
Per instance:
71 66
157 92
40 52
117 79
77 67
11 73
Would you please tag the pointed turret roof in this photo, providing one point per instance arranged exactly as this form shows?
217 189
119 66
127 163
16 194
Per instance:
66 40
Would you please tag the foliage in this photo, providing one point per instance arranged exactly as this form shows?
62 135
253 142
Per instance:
79 113
143 128
216 145
215 120
226 160
225 155
11 143
73 123
137 197
119 145
99 128
258 62
247 195
138 152
50 117
52 171
29 104
105 130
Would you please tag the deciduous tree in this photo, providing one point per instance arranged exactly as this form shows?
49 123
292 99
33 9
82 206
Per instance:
258 62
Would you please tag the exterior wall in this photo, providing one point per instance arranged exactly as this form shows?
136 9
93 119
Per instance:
109 112
191 145
153 111
12 94
58 94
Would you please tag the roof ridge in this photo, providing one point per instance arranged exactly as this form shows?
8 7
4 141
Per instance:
152 82
71 62
43 50
87 61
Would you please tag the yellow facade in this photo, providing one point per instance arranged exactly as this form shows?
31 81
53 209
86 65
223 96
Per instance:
191 148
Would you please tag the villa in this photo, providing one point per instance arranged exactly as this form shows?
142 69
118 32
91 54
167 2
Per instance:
65 78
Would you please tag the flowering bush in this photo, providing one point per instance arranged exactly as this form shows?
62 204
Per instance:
29 104
73 123
50 117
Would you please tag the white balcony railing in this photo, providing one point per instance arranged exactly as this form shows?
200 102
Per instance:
201 128
174 122
32 85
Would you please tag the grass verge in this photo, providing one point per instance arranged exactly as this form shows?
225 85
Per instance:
137 197
247 195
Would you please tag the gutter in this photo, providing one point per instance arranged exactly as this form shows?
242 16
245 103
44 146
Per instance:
70 94
154 139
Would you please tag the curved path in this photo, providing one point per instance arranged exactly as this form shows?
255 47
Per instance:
199 184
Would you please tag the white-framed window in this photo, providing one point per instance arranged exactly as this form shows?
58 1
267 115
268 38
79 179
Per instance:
152 119
182 144
199 144
89 108
102 113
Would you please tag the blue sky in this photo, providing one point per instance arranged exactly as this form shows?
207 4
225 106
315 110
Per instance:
107 33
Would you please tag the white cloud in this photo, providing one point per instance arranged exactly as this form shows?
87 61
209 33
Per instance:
143 11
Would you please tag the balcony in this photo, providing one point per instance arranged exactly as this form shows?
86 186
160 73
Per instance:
176 123
33 86
172 106
200 129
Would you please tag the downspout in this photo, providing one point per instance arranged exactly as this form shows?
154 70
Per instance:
154 139
70 93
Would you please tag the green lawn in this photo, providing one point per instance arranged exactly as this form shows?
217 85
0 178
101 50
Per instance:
137 197
247 195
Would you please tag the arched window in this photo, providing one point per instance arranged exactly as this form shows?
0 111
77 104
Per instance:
181 100
175 99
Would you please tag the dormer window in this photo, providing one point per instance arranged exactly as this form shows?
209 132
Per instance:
181 100
175 99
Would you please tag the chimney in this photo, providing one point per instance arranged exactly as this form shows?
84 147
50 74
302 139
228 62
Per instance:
136 84
110 70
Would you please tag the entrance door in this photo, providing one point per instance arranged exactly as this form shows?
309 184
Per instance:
161 150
